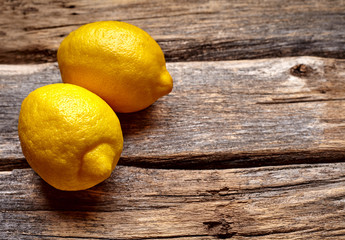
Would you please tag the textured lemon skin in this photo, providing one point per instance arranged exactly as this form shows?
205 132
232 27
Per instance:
69 136
119 62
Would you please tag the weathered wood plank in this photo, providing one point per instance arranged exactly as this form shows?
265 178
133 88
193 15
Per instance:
186 30
219 115
289 202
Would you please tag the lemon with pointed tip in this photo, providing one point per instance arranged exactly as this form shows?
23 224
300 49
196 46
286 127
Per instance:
119 62
69 136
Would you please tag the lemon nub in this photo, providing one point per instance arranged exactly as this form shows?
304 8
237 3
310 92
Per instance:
97 163
165 84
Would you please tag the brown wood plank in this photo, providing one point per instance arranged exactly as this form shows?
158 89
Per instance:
287 202
186 30
219 115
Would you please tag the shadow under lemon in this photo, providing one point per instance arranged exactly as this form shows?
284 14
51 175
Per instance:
87 207
134 123
91 199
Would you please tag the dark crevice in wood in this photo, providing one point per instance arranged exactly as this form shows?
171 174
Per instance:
44 236
11 164
294 100
141 238
164 16
213 160
231 160
266 233
28 56
273 188
233 49
28 29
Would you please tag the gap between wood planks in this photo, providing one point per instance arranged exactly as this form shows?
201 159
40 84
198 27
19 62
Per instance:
220 114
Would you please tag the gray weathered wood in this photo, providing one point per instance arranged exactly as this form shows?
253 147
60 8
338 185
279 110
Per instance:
289 202
219 115
222 114
31 31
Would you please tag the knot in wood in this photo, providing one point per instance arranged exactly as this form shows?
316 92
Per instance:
221 229
301 70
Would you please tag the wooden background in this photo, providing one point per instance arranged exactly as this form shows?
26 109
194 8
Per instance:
249 145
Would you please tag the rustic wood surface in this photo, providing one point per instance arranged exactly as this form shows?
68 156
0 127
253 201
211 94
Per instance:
31 31
220 114
287 202
241 149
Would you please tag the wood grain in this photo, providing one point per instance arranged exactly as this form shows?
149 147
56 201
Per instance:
289 202
31 31
219 115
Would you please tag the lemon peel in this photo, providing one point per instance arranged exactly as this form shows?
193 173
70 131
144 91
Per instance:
69 136
119 62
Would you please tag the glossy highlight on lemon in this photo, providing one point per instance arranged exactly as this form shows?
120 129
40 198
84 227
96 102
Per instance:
69 136
119 62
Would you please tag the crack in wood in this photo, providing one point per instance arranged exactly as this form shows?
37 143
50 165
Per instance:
212 160
300 100
30 28
132 238
274 232
171 15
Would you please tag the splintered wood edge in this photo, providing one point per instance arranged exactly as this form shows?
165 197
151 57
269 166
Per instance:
285 202
189 31
219 115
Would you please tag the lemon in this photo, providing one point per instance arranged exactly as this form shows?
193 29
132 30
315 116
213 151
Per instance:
119 62
69 136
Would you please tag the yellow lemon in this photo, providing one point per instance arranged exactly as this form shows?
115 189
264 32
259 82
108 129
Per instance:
69 136
119 62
